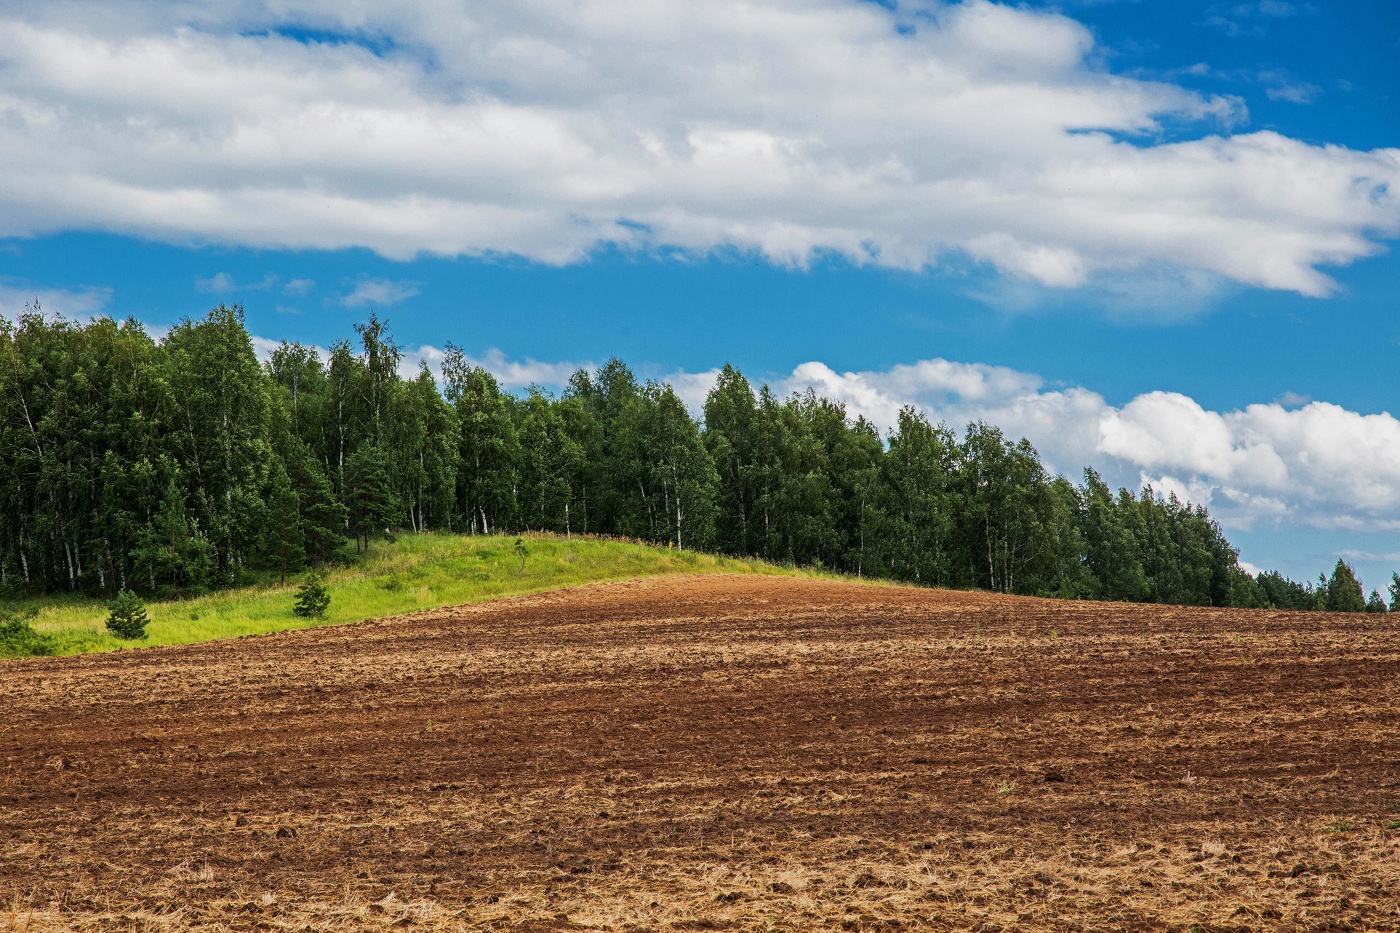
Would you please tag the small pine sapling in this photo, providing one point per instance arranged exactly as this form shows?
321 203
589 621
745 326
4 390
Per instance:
127 618
313 599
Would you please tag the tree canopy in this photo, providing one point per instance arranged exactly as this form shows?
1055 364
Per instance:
148 465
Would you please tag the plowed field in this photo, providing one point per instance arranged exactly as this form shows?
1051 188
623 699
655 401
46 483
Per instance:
717 753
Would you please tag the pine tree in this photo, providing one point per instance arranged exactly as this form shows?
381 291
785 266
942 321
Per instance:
283 542
1344 593
324 520
369 494
313 598
127 616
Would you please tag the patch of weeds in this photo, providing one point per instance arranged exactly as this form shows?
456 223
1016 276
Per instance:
1006 787
1393 824
1343 826
18 639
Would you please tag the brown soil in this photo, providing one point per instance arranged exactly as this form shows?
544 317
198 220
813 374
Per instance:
717 753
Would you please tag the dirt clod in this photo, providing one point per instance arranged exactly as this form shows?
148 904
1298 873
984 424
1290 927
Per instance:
699 753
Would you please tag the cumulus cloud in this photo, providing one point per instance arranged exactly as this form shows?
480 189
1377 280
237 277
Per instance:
263 348
906 135
1310 463
378 292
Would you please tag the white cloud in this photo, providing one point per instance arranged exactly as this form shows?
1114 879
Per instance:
692 388
379 292
263 348
223 283
1309 463
16 296
1294 93
511 374
219 282
904 137
298 287
521 374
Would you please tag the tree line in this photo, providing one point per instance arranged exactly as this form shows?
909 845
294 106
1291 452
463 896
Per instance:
183 463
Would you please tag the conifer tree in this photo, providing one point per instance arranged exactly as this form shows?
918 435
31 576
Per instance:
371 499
1344 593
324 520
283 541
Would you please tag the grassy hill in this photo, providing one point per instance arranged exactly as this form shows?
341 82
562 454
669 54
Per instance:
414 572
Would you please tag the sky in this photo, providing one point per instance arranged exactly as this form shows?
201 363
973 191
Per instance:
1156 238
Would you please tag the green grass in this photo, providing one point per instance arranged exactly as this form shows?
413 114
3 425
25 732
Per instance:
415 572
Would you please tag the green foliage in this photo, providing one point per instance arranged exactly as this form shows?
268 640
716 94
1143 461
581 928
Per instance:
127 616
313 598
18 639
323 516
1374 603
182 465
284 540
488 449
1282 593
1344 593
368 493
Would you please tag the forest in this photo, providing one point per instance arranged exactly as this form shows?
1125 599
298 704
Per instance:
185 464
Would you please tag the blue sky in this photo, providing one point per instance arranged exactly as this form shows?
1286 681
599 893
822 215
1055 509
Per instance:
1154 237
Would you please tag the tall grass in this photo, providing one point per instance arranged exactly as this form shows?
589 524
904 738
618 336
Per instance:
424 571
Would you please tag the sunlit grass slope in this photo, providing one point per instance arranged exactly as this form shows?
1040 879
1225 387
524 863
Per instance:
414 572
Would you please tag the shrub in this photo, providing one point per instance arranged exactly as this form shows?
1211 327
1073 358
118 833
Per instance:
313 599
18 638
127 618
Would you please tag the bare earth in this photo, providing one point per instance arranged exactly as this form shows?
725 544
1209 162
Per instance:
717 753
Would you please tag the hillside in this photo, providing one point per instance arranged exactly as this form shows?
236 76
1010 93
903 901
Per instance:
717 752
411 573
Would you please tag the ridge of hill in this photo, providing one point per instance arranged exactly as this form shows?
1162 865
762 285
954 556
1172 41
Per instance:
411 573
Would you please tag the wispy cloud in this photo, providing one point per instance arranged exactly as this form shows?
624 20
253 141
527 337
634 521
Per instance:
219 283
1280 85
1248 19
222 283
379 292
78 303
